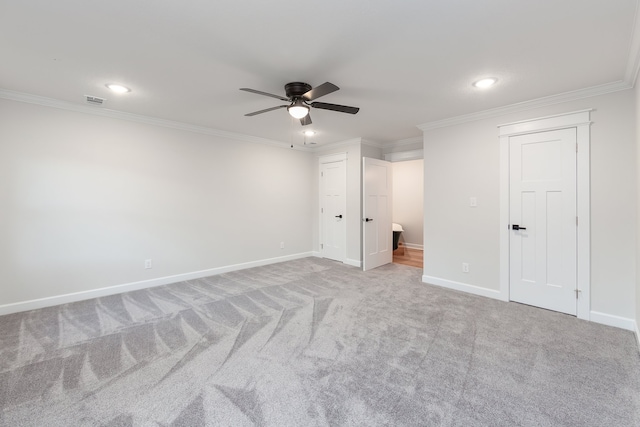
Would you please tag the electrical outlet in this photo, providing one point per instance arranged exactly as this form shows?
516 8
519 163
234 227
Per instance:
465 267
281 245
147 263
473 202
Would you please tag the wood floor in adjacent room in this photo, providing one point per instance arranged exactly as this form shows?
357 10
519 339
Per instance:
408 256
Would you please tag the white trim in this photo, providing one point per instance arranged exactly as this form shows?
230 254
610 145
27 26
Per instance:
464 287
331 158
400 156
580 120
353 262
633 61
144 284
612 320
104 112
546 123
413 246
583 181
529 105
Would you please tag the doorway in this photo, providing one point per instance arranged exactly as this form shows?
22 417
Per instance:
408 210
544 213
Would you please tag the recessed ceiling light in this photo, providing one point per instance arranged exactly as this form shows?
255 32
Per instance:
118 88
309 132
485 83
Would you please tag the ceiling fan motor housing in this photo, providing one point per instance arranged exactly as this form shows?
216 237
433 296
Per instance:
300 96
296 89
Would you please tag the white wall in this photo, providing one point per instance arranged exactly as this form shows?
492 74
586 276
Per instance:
408 196
462 161
84 200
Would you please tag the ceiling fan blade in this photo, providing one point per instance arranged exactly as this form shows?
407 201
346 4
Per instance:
318 91
259 92
266 110
335 107
306 120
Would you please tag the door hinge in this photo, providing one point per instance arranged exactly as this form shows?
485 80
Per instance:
321 210
577 293
576 221
321 246
321 174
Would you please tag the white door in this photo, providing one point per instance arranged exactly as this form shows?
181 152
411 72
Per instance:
377 235
543 221
333 188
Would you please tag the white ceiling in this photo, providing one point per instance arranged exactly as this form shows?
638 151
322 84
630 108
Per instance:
404 63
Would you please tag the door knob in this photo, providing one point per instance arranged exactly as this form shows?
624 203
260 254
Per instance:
517 227
338 216
368 219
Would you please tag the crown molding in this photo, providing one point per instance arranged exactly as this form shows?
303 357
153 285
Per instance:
104 112
633 62
528 105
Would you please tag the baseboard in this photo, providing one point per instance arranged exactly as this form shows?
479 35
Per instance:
464 287
118 289
353 262
612 320
413 246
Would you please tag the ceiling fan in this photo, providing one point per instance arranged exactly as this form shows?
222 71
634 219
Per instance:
299 95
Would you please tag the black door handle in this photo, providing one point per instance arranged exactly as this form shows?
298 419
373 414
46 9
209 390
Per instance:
338 216
368 219
517 227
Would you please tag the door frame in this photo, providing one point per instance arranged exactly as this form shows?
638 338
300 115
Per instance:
331 158
580 120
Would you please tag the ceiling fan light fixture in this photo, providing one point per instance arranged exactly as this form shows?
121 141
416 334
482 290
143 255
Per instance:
298 110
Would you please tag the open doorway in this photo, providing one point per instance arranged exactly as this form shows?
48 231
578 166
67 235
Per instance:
408 207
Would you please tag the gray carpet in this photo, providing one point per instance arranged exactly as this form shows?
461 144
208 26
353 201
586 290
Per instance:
312 343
